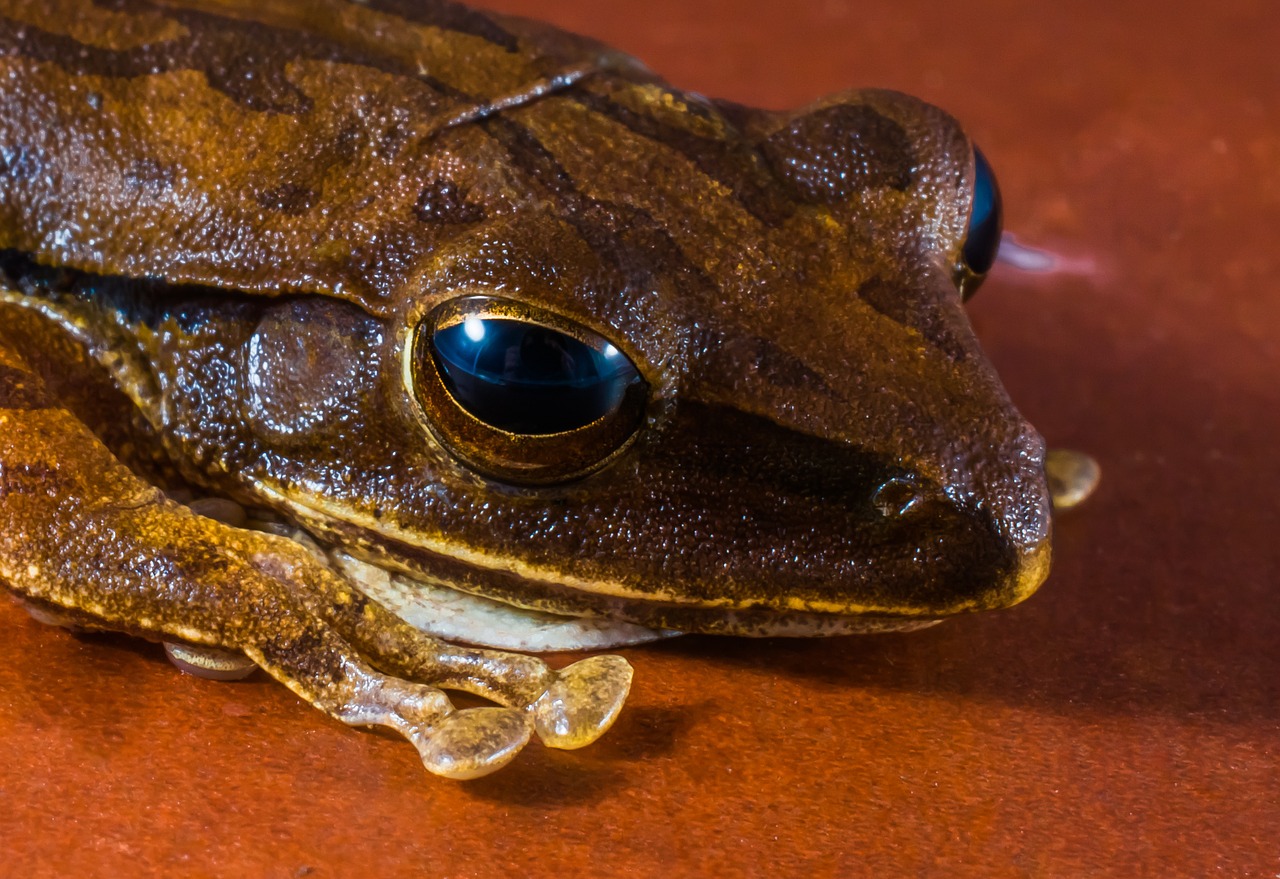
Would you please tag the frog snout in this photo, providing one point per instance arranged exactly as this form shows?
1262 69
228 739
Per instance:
1008 486
1010 481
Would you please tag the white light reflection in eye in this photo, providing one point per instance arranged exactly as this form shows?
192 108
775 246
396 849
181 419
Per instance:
610 351
474 328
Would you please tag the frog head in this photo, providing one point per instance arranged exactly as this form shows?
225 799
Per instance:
699 367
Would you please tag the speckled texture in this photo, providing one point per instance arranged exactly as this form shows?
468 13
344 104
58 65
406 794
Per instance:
1123 722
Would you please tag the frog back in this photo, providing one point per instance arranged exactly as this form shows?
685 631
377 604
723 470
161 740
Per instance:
263 147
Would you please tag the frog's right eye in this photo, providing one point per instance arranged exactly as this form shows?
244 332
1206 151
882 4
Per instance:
982 238
523 395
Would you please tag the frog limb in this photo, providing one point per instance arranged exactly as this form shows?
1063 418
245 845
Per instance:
80 533
570 708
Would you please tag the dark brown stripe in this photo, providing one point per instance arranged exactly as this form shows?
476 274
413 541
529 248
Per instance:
827 156
443 202
624 237
902 305
289 199
732 163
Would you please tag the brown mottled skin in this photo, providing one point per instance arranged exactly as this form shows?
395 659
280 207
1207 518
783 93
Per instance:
222 224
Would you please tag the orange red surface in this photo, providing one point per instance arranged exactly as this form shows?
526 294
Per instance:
1123 722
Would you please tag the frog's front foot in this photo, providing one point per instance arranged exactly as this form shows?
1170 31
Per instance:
569 708
210 663
454 744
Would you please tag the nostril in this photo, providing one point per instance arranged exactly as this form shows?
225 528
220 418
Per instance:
897 497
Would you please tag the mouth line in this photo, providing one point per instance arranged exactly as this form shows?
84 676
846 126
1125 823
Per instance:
440 565
612 621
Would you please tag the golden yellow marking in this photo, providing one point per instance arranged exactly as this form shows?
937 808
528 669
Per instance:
669 110
1033 571
131 377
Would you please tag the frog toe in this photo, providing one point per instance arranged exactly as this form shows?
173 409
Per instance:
582 702
210 663
453 744
52 616
472 743
1073 476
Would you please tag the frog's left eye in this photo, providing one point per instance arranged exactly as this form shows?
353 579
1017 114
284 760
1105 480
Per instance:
521 394
982 240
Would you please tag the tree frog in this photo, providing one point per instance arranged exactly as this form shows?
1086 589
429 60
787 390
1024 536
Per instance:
458 304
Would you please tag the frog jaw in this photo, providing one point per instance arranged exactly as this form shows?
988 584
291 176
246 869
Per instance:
460 617
435 607
472 619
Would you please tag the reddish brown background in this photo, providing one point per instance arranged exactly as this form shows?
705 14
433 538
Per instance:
1125 722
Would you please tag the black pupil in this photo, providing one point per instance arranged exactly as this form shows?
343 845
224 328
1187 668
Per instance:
525 378
983 239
